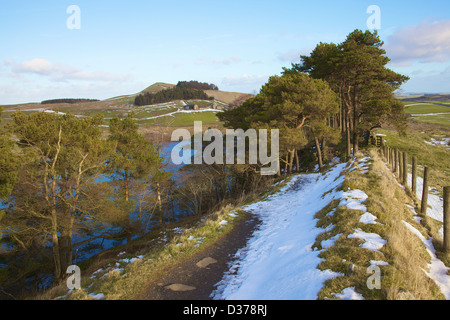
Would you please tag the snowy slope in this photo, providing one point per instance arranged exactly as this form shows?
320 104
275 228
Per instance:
278 262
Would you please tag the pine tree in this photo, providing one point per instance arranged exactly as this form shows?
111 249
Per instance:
356 70
133 162
58 193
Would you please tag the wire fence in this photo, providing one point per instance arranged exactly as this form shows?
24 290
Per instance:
398 162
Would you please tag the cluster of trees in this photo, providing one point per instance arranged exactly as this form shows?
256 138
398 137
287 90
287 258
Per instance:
339 90
197 85
53 101
62 184
356 70
176 93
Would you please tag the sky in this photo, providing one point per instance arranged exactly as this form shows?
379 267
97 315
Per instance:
104 49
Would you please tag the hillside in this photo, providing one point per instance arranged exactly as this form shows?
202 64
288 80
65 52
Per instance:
162 114
228 97
156 87
438 97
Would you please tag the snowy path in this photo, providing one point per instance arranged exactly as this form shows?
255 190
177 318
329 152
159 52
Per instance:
278 262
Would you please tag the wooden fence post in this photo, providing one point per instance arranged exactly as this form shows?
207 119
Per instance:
395 161
388 155
405 169
447 219
423 208
391 158
400 166
414 175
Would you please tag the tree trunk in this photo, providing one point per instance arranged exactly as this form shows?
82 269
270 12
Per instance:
355 123
279 168
297 162
324 150
55 246
347 123
287 163
319 154
291 160
158 191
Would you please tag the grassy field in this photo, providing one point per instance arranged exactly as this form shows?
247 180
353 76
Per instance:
441 119
436 157
429 113
144 115
181 119
425 108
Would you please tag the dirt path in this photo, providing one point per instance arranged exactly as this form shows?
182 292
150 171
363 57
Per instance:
195 278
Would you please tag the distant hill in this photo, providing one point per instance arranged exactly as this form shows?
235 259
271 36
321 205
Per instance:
153 114
428 97
230 98
157 87
68 100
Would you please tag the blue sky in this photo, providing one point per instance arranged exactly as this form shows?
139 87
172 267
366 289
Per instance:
124 46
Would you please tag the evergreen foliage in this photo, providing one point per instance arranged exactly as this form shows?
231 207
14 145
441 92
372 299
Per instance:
176 93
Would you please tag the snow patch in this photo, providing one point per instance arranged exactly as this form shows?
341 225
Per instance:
349 294
353 199
368 218
437 269
434 200
97 296
325 244
372 242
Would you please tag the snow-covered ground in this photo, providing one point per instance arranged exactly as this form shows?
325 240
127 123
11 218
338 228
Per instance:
436 142
171 114
278 263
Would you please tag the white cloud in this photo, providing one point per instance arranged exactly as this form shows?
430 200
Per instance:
59 72
429 81
425 42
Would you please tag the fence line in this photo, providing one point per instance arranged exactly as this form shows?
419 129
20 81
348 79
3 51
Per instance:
397 161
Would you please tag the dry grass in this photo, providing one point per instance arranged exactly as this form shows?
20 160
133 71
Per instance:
226 96
406 255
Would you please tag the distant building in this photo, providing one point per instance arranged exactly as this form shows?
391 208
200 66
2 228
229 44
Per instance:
191 107
212 106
